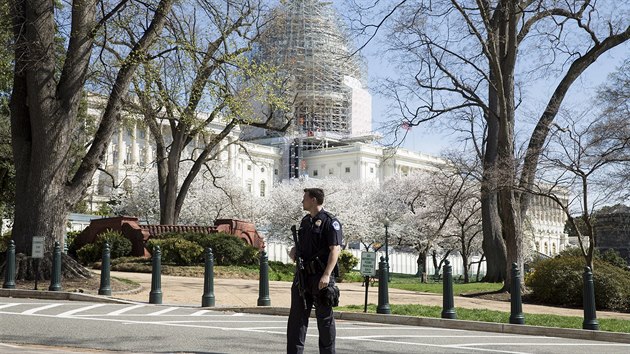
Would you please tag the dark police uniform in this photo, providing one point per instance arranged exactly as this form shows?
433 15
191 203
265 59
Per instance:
316 235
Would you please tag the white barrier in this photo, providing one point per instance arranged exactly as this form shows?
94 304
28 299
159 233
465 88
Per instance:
399 262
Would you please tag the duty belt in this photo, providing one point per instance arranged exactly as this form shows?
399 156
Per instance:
313 267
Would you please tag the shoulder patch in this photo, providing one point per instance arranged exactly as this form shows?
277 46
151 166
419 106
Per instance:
336 225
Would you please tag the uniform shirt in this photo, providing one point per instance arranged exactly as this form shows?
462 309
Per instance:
317 234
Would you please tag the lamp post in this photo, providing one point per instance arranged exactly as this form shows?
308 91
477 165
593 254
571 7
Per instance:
386 224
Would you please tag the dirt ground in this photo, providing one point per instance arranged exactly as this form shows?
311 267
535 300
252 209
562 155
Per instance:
88 286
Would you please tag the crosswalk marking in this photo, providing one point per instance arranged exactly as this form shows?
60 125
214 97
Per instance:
40 308
4 306
200 313
80 309
123 310
157 313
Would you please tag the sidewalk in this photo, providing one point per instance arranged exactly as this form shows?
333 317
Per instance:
244 293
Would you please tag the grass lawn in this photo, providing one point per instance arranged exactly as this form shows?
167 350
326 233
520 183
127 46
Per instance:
411 282
611 325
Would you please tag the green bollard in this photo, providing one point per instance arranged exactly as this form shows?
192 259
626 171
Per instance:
448 305
383 291
590 316
9 271
207 300
516 305
55 277
155 296
263 287
105 288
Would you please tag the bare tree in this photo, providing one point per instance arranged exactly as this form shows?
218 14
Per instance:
471 54
584 157
48 83
201 88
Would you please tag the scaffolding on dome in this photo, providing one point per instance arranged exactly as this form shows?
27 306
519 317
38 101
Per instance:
306 38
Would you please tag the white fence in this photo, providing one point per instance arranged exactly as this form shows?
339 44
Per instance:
399 262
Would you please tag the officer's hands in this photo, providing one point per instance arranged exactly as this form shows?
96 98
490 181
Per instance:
323 282
292 253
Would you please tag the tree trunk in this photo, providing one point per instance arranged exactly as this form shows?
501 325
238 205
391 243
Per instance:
25 268
493 245
422 266
465 263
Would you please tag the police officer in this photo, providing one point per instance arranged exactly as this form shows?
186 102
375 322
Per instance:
319 241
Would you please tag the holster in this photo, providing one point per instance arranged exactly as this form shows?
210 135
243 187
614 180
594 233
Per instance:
314 266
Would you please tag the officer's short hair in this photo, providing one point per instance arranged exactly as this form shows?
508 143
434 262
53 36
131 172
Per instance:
316 193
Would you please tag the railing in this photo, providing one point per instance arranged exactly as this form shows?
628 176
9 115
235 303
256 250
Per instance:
399 262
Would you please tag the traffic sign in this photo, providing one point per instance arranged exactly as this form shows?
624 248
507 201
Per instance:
38 247
368 263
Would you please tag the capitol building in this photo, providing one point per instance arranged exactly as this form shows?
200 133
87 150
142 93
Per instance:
331 135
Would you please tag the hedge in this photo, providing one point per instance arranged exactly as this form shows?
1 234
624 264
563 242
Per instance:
558 281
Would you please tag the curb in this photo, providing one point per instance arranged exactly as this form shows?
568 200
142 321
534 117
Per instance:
506 328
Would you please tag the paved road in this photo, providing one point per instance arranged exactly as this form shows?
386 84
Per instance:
166 329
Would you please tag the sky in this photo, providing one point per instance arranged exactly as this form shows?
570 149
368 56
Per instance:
433 139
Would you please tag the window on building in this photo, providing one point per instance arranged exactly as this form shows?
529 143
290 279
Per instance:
315 173
275 171
546 248
553 248
331 171
249 167
262 169
347 169
249 187
263 187
371 169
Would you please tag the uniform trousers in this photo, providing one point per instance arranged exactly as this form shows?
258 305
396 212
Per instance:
298 318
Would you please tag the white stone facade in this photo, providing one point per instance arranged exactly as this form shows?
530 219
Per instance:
544 226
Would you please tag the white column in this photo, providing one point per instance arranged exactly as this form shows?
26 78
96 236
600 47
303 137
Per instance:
135 151
148 147
122 148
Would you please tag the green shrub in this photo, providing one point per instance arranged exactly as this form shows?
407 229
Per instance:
346 262
226 248
71 237
558 281
251 255
203 240
177 251
119 246
614 258
89 253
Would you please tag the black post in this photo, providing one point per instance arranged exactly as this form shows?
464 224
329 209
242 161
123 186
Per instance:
263 284
155 296
36 265
105 288
448 305
389 277
516 306
590 316
9 270
55 277
207 300
383 291
367 286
